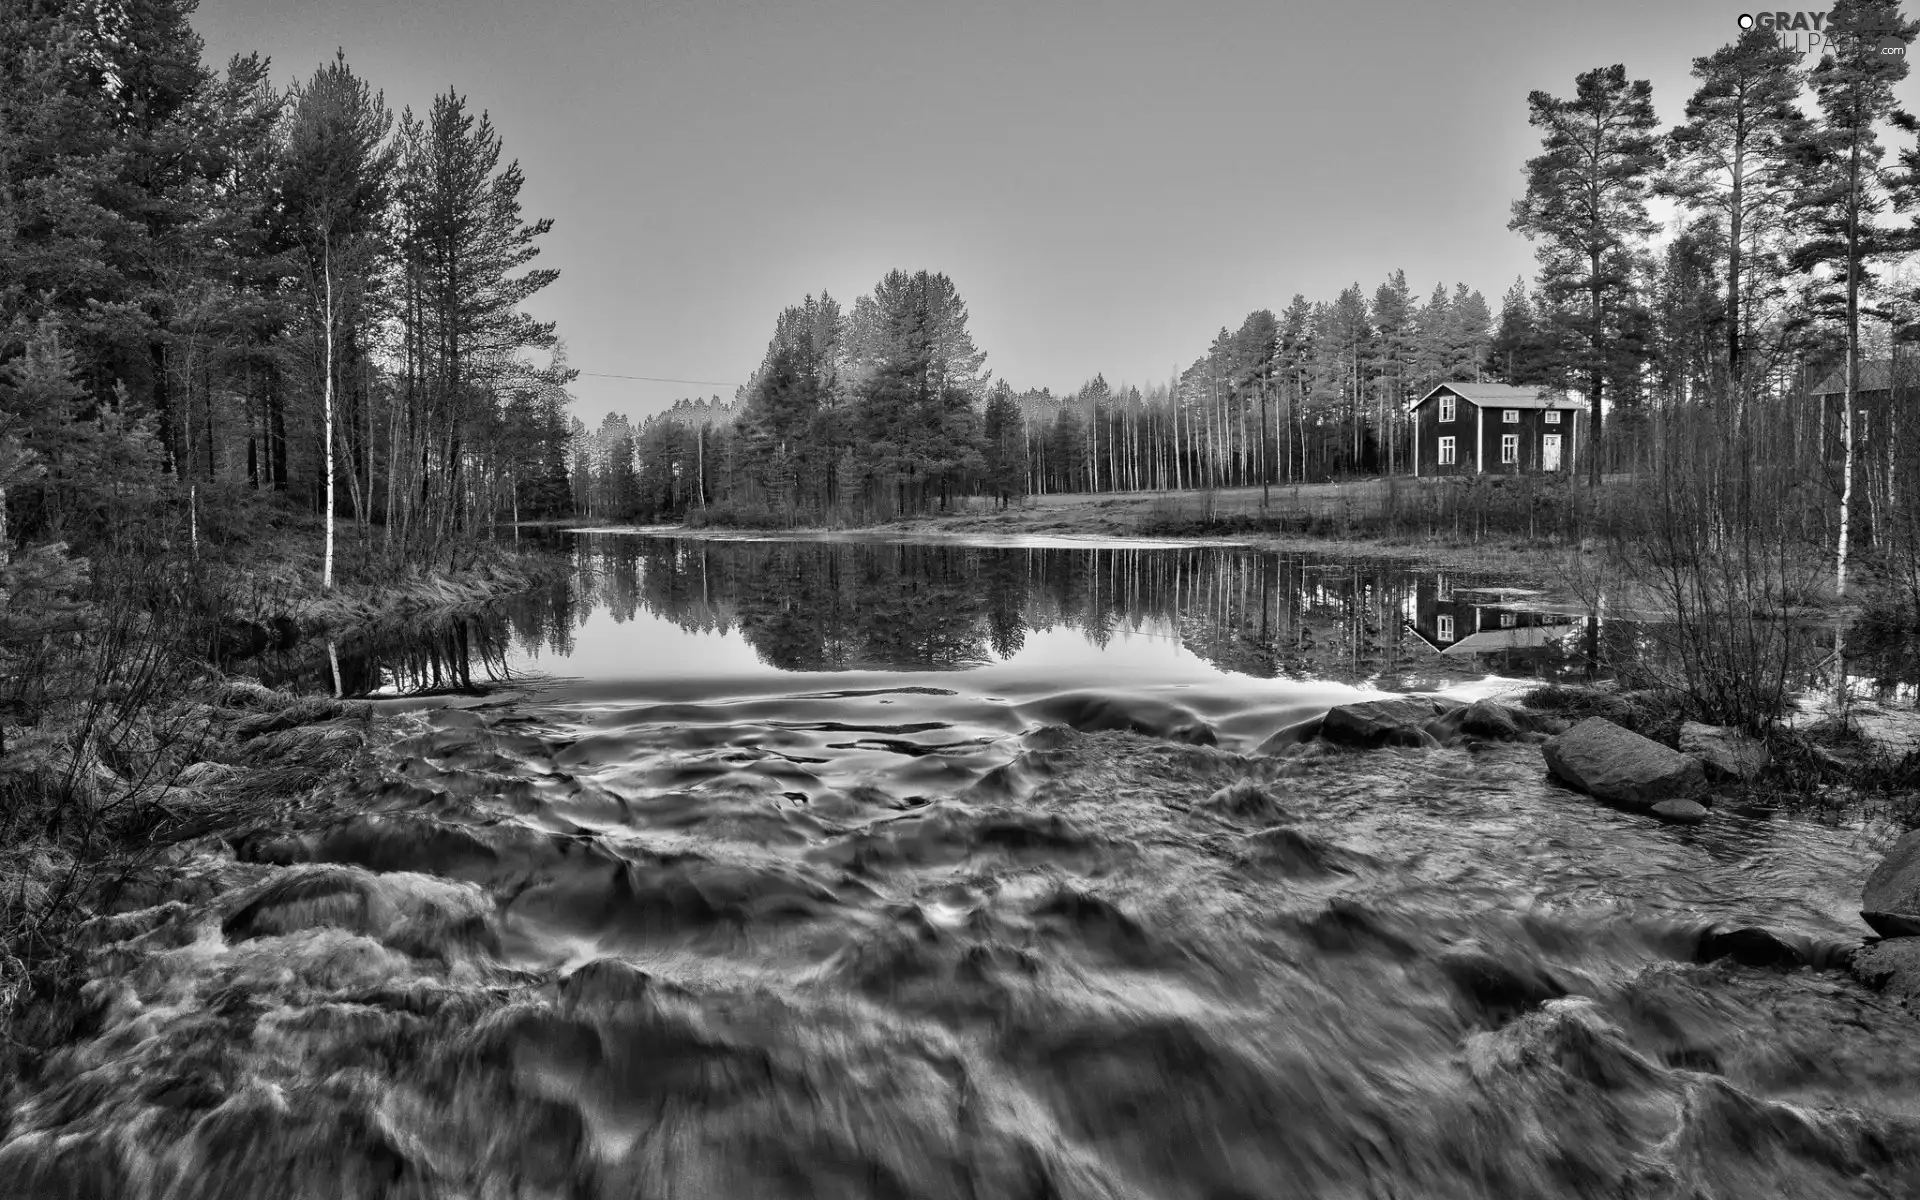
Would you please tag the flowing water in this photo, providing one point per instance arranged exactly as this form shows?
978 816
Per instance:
889 870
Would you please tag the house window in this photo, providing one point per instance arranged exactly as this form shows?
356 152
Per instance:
1446 408
1552 417
1511 416
1508 620
1444 632
1446 451
1509 447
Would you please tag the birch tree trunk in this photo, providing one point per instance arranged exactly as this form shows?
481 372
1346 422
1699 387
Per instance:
326 263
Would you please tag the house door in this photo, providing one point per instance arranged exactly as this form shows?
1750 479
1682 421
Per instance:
1550 452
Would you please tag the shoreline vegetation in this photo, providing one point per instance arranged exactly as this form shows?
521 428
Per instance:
161 744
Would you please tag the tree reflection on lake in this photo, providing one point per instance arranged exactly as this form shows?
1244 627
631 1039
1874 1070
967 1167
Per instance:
824 606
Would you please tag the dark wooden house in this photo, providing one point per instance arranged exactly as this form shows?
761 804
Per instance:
1495 429
1880 394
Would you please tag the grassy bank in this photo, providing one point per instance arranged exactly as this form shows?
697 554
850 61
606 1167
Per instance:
129 738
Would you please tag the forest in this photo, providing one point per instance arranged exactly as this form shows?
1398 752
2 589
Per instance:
1793 183
210 286
263 349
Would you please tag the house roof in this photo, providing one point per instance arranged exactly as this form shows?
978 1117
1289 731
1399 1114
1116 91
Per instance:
1498 395
1526 637
1874 373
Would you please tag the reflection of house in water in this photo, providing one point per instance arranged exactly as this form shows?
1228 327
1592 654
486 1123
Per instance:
1497 624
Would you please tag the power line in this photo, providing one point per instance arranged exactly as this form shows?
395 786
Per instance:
657 379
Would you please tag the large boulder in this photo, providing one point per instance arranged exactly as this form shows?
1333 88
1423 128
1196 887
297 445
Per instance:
1618 765
1726 753
1497 721
1400 721
1892 968
1890 902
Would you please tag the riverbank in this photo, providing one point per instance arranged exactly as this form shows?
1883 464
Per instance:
1335 515
147 740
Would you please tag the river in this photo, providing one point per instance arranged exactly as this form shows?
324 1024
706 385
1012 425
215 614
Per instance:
812 869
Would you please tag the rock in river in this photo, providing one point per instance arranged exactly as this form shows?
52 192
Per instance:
1890 901
1892 968
1681 812
1399 721
1725 752
1611 763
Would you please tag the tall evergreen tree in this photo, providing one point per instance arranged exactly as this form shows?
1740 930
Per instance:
1585 206
1518 353
1842 195
1733 158
1005 446
467 255
1469 334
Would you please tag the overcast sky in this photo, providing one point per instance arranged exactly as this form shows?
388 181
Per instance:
1107 183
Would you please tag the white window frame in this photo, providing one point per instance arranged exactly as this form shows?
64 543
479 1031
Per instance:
1448 407
1509 448
1510 416
1443 628
1449 451
1552 417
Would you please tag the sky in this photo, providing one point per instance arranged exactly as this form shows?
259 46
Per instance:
1107 183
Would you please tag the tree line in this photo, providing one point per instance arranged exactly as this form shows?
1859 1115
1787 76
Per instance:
1776 272
223 286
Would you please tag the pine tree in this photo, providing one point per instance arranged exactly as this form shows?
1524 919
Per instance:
1005 446
1842 193
1518 353
1432 337
1469 334
1733 158
1585 205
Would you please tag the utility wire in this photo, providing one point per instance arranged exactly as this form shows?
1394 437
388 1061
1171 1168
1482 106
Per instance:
657 379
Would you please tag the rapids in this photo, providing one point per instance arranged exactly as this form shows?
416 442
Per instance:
853 871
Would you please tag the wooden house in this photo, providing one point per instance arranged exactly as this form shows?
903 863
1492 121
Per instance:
1494 428
1881 392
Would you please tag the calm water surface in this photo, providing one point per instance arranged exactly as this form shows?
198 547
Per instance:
886 870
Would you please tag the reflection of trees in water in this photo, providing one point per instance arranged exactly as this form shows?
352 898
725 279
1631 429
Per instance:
443 652
838 606
822 606
816 606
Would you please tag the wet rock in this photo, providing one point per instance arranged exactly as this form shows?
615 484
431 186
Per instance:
1494 720
1750 947
1098 923
1247 801
1680 812
1566 1040
1050 737
1347 927
1890 901
1496 989
1288 736
1101 712
1891 967
314 899
1614 764
1726 753
1292 852
1400 721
